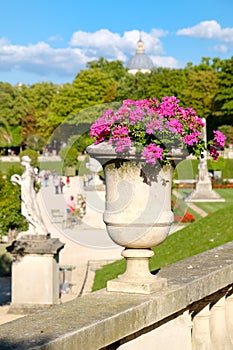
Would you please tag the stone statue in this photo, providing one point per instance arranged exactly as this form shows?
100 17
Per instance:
95 167
29 205
203 174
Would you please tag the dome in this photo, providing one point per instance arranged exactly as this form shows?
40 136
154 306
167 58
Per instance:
140 61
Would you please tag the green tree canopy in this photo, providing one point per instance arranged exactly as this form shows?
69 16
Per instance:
93 87
11 218
223 102
200 90
167 82
5 134
114 68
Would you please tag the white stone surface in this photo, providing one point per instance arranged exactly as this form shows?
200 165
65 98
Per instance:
37 285
29 205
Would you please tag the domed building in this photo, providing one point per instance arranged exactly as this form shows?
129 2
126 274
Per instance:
140 62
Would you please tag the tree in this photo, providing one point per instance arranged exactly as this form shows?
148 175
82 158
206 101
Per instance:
160 82
200 90
167 82
227 130
32 154
64 103
92 87
134 87
114 68
223 102
80 142
11 219
35 142
13 107
40 97
69 155
28 124
5 134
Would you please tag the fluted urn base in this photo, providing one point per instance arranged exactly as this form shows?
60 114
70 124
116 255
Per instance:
137 214
137 277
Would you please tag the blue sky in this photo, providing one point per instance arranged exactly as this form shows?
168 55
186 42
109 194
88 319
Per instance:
48 40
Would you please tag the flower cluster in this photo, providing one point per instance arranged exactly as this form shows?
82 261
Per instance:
155 128
188 217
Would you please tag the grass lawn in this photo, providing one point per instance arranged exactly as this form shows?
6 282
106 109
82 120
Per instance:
211 207
4 166
57 166
201 235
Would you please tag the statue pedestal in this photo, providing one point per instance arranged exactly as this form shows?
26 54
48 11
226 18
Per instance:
95 184
204 193
35 273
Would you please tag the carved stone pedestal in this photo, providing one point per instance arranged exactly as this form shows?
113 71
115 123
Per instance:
204 193
35 273
137 277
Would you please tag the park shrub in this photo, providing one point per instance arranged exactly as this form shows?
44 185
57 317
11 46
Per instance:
32 154
11 219
5 261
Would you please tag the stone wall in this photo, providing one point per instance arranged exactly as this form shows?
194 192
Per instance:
193 312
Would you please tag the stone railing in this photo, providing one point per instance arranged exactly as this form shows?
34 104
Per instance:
194 312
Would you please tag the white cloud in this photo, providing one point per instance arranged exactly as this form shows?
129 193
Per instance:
221 48
208 30
40 58
3 41
43 59
113 46
55 38
165 61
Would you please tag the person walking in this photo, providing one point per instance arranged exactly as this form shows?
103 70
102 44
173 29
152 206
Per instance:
46 178
61 184
56 184
71 205
68 181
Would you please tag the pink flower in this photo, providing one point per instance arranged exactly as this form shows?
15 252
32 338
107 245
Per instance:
191 139
151 153
153 125
100 130
219 139
122 143
119 132
174 125
214 152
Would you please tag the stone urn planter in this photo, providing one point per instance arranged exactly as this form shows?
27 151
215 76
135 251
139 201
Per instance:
137 213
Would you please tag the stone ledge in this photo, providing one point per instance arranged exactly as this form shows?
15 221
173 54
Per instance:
101 318
35 244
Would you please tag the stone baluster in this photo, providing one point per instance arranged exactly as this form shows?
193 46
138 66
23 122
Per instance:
220 339
229 313
201 330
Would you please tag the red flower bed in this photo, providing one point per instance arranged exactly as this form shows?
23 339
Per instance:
222 185
188 217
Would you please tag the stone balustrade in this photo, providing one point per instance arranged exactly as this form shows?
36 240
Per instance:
194 312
